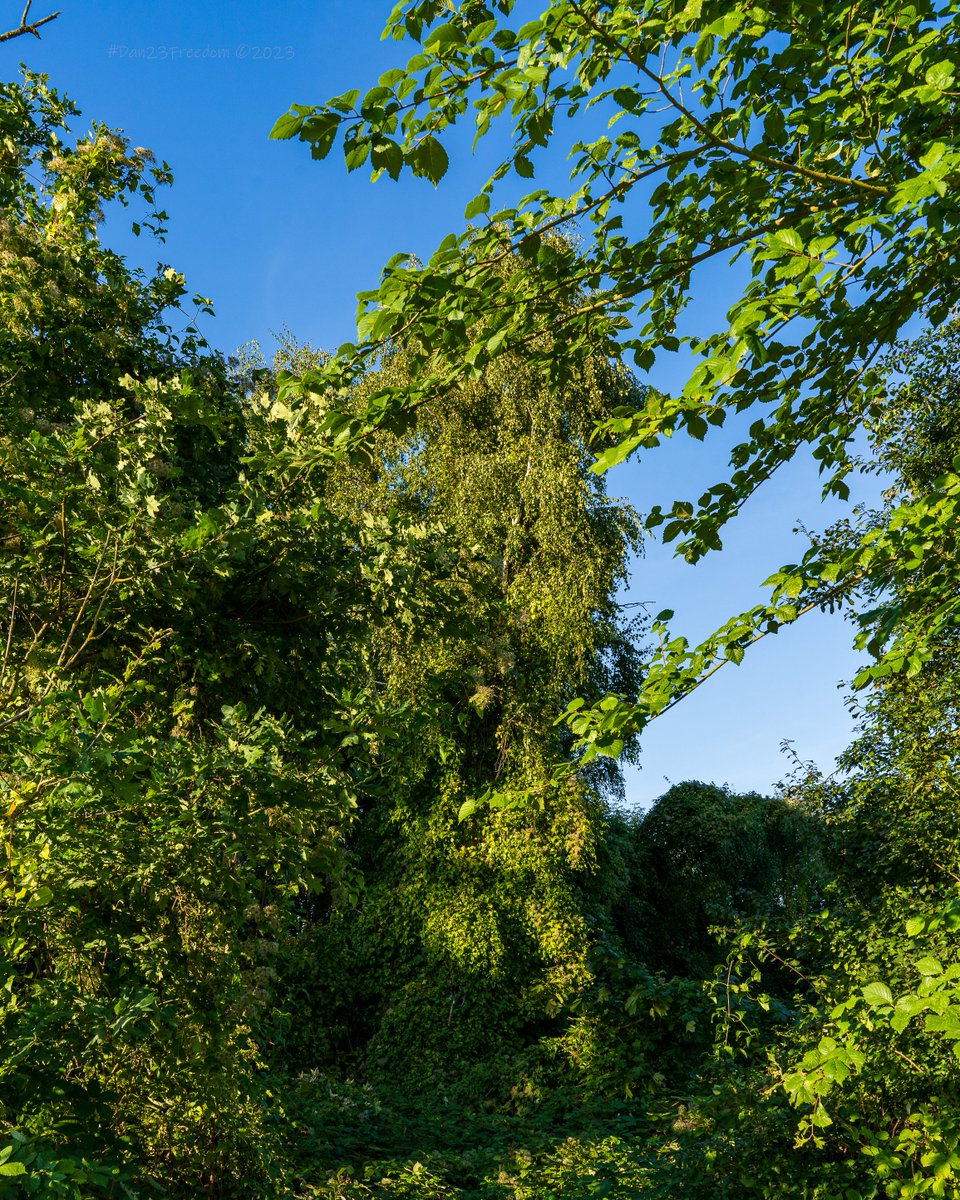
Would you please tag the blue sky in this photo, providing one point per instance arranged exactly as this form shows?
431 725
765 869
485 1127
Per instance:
276 239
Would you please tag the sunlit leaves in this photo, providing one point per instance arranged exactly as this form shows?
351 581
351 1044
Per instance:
188 714
816 147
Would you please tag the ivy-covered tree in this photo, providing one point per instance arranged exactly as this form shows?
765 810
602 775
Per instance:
470 938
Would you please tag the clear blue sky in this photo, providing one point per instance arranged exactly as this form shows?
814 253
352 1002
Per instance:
276 239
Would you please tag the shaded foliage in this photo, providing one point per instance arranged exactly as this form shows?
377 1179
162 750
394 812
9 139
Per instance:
705 857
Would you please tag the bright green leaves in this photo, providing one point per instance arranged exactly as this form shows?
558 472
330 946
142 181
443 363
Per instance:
940 76
8 1167
189 714
815 148
942 170
445 37
785 241
875 1039
478 206
603 728
287 126
877 994
829 1065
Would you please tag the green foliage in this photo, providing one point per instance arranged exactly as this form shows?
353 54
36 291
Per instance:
469 941
188 710
705 857
362 1141
850 1015
814 148
303 885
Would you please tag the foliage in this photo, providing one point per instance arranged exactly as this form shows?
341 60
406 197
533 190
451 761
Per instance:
369 1142
814 148
469 940
293 893
703 856
863 992
188 713
244 702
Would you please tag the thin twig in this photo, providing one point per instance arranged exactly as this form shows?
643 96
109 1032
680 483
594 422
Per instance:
907 1059
96 616
13 614
83 603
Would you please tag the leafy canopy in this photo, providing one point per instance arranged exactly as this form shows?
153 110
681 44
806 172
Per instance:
815 147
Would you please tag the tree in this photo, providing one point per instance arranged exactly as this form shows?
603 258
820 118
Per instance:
469 940
898 800
188 714
852 1086
704 857
815 149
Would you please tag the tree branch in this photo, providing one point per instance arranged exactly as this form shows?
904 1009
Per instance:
32 27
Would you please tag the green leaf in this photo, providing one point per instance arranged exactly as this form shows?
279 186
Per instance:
287 126
429 159
876 994
786 240
478 205
933 155
615 454
345 103
320 131
929 966
443 36
628 98
387 155
356 153
12 1168
374 99
940 76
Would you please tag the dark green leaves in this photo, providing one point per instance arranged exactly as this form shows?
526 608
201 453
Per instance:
319 130
387 155
429 159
